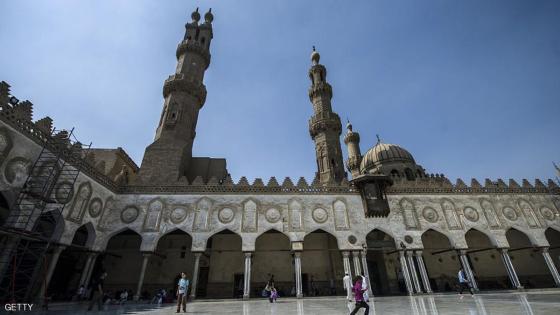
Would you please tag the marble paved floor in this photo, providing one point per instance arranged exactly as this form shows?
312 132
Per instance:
484 304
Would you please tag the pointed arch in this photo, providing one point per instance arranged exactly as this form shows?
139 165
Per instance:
85 235
523 234
488 234
443 232
169 232
274 230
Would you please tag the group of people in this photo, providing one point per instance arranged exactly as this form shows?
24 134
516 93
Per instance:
270 291
99 295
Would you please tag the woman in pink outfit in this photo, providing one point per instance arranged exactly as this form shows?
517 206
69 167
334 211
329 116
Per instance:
359 296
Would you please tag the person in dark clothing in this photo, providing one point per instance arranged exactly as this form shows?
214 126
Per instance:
97 288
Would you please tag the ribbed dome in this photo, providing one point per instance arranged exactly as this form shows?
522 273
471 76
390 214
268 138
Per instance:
384 153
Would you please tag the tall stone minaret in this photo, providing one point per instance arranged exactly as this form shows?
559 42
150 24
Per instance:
324 125
352 141
168 157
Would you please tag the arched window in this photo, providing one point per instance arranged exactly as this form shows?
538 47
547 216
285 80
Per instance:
409 174
395 173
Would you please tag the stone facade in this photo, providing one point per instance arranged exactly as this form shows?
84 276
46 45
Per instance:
221 232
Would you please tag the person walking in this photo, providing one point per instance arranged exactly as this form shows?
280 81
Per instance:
347 284
97 287
359 296
463 282
182 288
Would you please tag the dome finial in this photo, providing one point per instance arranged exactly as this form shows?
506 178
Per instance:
195 16
209 17
378 139
315 57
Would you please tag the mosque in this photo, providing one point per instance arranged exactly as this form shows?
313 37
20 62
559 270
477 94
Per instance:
69 211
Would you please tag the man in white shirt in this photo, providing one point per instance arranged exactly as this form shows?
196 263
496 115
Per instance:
347 283
182 288
463 282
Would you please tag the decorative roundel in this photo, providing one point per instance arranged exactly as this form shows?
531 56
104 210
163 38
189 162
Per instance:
510 213
95 207
320 215
352 239
547 213
17 170
272 215
226 215
178 215
64 192
129 214
430 215
471 214
408 239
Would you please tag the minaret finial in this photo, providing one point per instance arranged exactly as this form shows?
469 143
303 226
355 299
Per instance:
209 17
315 56
195 16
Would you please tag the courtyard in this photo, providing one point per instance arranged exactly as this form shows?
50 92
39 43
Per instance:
511 303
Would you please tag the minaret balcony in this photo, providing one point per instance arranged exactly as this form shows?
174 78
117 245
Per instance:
324 121
192 46
181 83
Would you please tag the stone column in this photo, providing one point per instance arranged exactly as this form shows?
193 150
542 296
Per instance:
467 267
356 260
406 275
297 269
91 267
146 257
86 269
413 272
247 276
366 272
346 263
509 268
423 272
195 274
551 266
51 267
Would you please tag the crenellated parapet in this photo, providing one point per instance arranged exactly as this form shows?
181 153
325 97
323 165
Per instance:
243 186
180 83
193 46
438 183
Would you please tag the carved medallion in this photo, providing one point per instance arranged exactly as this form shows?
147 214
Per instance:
64 192
272 215
471 214
510 214
352 239
430 214
178 215
95 207
129 214
320 215
408 239
548 214
226 215
17 170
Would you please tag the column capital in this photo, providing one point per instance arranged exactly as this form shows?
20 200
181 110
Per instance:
197 254
147 254
503 250
297 254
345 254
461 251
409 252
418 252
544 249
248 254
355 253
363 252
59 248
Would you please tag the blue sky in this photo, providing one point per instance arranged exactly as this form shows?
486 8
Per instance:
470 88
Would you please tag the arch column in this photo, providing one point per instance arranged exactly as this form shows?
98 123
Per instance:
413 272
146 257
86 269
550 265
346 263
467 267
90 270
247 276
510 269
51 267
356 260
423 271
297 269
195 274
366 271
406 274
